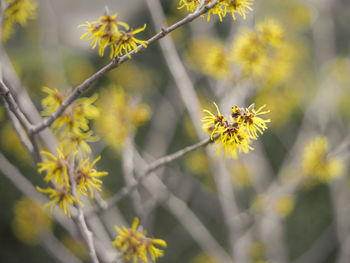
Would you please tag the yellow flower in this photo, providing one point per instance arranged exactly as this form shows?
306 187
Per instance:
249 53
271 32
235 135
217 63
87 177
317 165
215 124
62 196
232 139
237 6
120 116
19 11
75 118
133 243
216 10
190 5
104 32
55 167
53 100
77 140
127 42
284 205
30 221
251 122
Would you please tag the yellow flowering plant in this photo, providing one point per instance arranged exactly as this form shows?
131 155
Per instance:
236 132
134 244
242 64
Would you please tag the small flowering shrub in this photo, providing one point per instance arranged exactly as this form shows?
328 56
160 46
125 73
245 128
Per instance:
67 117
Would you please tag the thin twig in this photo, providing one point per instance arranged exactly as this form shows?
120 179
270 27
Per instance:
79 219
116 62
21 133
57 249
183 213
152 167
8 98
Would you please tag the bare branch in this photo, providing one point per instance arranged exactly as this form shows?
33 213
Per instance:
79 219
176 67
152 167
8 98
116 63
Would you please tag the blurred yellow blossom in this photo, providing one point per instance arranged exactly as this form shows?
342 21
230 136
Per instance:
17 11
120 116
217 63
134 77
30 221
284 205
77 141
257 252
241 175
197 162
318 166
11 143
271 32
134 244
198 48
77 247
290 97
73 125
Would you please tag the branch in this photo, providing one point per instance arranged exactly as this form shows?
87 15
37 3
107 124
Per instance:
116 62
79 219
152 167
176 67
8 98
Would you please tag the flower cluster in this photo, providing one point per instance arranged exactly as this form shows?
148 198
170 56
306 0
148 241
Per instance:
120 116
107 31
318 166
73 125
262 54
17 12
221 9
134 244
56 168
236 133
30 221
254 50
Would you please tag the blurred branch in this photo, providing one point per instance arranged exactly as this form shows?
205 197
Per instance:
151 167
12 105
321 248
128 173
177 69
79 218
8 98
26 187
21 133
185 216
116 62
59 251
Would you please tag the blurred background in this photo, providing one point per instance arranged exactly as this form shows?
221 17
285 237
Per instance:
286 201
